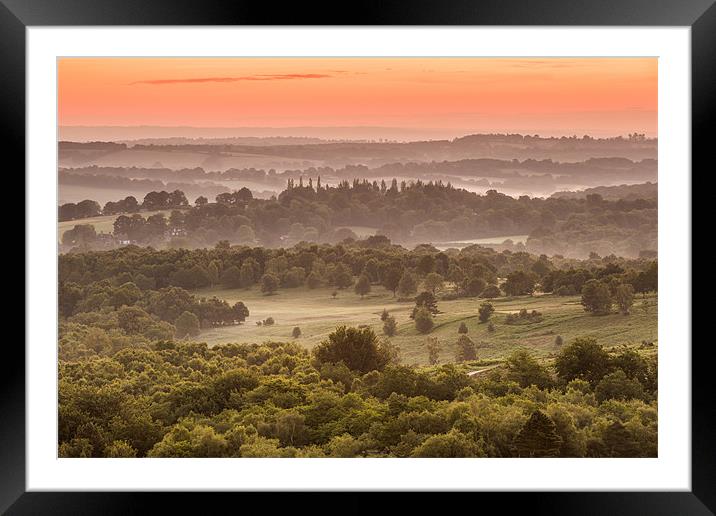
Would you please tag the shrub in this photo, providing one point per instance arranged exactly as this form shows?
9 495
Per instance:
486 309
524 317
357 348
462 328
390 327
433 350
423 320
466 349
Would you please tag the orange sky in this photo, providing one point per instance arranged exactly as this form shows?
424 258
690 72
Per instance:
547 96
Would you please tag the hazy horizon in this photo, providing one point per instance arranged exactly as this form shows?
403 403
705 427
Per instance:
82 133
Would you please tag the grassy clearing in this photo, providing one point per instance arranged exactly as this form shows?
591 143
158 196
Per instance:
317 314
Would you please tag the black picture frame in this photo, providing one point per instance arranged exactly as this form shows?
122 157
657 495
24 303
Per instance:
700 15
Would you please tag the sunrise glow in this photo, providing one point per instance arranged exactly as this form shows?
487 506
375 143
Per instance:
598 96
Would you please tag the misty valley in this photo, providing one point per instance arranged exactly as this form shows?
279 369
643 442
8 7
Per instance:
398 309
357 257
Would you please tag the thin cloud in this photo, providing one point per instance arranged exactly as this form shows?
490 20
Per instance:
280 77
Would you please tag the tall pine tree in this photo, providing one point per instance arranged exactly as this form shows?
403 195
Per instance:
538 437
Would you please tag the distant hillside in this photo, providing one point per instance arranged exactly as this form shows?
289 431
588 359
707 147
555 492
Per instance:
646 190
287 154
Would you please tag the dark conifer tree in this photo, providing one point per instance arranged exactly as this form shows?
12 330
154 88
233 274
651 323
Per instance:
538 437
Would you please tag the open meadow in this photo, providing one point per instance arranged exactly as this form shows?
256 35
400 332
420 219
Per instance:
317 314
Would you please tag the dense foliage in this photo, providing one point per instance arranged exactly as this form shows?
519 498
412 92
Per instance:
122 396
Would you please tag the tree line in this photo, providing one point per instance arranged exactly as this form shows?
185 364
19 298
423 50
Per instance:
365 264
155 200
407 212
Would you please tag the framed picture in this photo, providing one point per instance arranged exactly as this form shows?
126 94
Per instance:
415 248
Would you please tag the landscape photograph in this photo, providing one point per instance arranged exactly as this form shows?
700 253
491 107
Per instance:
359 257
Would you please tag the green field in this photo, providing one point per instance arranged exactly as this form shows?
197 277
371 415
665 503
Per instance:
317 314
102 224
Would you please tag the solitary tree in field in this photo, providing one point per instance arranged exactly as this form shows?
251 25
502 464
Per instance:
384 315
423 320
434 349
187 324
462 328
426 300
466 349
296 332
486 309
239 312
538 437
390 327
596 297
362 286
269 283
624 297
